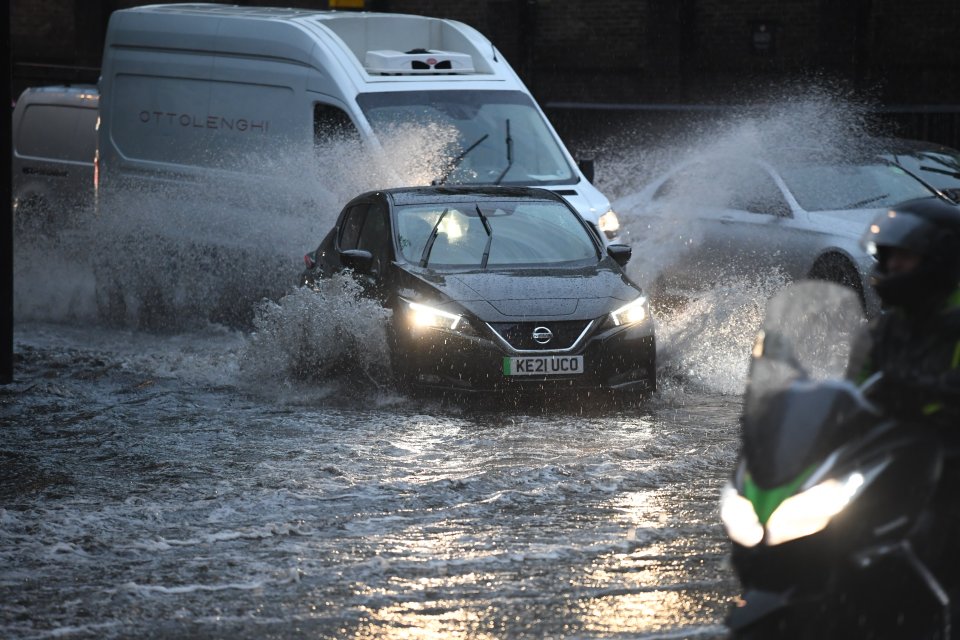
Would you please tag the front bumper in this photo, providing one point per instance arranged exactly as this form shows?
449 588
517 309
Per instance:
614 359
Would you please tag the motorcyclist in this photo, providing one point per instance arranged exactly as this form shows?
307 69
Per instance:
915 342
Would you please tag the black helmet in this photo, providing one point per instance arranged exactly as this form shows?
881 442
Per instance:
929 227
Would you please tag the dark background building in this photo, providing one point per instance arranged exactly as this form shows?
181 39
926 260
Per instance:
600 62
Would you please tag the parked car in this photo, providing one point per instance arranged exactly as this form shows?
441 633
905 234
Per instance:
494 288
801 214
54 144
935 164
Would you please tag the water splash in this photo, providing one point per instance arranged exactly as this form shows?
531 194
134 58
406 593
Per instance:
707 341
328 335
172 256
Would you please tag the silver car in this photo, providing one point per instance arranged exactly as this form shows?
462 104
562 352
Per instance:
801 215
54 146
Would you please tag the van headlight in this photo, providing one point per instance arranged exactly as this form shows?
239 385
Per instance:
631 313
609 224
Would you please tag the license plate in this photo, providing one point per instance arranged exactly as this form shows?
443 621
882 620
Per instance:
543 366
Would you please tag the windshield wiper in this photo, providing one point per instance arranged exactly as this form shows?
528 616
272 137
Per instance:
427 248
509 142
857 205
953 173
456 161
486 247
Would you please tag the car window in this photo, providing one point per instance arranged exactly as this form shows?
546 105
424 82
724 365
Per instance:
352 223
375 236
702 184
753 189
523 233
832 187
332 123
57 131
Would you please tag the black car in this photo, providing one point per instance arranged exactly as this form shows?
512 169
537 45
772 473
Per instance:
494 288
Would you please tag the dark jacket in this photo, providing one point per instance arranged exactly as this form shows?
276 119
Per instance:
919 355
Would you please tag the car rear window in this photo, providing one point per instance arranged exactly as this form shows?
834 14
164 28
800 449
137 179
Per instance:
522 233
58 132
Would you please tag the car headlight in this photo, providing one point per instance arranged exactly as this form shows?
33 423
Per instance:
631 313
609 223
424 317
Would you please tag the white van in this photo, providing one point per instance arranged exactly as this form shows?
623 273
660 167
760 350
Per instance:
187 89
54 144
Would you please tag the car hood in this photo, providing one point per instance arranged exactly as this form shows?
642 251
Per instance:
571 294
849 222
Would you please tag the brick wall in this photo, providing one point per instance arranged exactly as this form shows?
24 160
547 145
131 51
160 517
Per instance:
630 51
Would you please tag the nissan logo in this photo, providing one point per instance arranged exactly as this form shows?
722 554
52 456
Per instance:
542 335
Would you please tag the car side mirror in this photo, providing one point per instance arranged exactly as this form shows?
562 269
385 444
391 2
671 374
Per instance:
586 168
620 253
360 260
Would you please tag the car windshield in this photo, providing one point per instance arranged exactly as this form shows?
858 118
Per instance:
491 137
832 187
520 233
938 168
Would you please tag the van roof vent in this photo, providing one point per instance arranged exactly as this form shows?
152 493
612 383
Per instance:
417 61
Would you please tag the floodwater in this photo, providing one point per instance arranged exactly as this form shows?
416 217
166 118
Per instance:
180 477
147 493
149 490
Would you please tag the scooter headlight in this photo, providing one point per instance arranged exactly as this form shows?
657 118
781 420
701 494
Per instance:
739 518
800 515
808 512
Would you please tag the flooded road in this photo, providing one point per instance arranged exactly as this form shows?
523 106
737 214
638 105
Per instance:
173 478
150 490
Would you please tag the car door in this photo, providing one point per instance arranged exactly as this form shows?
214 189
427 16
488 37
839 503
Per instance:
757 232
365 226
712 213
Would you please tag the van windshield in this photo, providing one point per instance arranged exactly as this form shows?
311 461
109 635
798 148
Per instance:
482 137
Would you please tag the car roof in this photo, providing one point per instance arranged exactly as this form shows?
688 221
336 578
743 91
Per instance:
424 195
906 146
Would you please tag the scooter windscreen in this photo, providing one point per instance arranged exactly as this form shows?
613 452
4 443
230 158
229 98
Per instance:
806 338
807 333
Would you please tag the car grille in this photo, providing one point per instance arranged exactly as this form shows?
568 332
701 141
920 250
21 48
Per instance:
519 335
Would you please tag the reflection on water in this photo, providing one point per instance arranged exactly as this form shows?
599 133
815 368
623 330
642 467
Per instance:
147 492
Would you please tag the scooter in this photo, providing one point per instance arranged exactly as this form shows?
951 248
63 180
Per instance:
830 505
